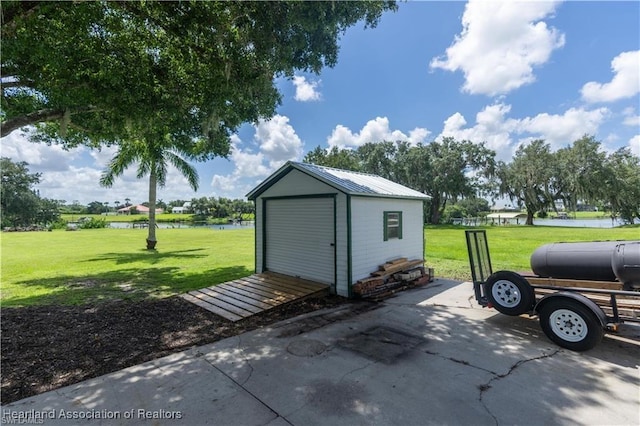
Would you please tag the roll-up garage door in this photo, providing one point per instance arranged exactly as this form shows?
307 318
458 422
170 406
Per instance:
300 237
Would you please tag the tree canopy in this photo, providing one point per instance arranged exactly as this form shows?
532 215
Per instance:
447 171
158 78
537 177
463 173
100 72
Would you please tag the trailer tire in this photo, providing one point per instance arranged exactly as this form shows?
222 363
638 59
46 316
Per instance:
570 324
509 293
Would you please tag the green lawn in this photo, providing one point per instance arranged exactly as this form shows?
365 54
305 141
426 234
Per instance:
63 267
510 247
91 265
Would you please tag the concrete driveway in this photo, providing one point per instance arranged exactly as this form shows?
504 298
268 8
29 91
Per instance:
426 356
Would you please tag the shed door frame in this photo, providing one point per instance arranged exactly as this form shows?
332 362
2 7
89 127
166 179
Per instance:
264 228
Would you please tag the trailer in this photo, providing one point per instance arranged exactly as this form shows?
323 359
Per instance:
573 293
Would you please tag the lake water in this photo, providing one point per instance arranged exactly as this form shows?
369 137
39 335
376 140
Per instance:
579 223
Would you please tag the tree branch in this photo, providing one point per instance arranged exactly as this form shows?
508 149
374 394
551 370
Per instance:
42 115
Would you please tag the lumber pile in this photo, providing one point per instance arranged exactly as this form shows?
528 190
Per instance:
393 276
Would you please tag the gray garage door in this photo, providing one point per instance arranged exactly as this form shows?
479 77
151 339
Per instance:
299 235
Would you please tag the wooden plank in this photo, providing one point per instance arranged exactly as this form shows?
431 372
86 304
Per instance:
392 263
211 308
268 292
398 268
262 301
231 300
257 286
604 285
250 295
280 282
285 286
276 286
293 283
296 282
601 299
220 303
266 296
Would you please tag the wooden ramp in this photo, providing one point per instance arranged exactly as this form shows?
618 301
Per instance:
241 298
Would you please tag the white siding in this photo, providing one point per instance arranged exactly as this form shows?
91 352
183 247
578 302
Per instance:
297 183
368 246
342 252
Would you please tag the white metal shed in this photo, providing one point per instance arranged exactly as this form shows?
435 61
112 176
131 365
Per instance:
334 226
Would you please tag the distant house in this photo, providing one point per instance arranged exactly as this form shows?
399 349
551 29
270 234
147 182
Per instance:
186 208
506 218
139 208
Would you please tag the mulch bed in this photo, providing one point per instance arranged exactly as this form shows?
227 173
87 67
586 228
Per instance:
48 347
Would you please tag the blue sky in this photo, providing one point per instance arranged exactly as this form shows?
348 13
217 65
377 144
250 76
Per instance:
503 73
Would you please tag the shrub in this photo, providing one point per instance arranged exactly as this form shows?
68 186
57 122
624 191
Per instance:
93 223
59 224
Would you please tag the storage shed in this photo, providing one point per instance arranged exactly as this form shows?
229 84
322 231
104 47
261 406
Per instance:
334 226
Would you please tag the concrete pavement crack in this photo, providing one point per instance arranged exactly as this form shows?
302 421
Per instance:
486 386
460 361
496 376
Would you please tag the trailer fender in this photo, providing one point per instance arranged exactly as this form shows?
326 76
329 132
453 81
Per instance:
590 304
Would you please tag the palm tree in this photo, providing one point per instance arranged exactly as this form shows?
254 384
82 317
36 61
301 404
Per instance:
152 159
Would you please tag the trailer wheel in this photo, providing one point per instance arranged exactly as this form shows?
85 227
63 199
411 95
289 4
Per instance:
509 293
570 324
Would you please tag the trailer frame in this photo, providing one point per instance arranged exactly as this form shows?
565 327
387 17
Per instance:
513 293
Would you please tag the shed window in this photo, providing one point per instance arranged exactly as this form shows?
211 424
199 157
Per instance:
392 225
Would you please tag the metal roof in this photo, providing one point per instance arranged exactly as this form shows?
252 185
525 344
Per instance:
352 183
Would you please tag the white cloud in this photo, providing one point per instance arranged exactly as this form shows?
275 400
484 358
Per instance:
75 174
277 143
500 43
376 130
503 133
561 130
634 145
631 118
625 82
40 157
278 140
306 91
492 126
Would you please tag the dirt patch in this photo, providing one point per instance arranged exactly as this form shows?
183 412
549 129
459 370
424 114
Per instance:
48 347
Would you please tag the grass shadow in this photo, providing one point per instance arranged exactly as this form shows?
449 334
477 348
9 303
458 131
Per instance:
148 256
125 284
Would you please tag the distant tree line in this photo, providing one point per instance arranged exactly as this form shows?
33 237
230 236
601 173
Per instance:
460 175
20 204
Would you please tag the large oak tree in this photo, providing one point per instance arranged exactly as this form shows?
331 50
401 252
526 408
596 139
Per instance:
179 76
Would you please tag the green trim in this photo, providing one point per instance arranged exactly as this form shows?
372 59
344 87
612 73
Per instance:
264 234
385 224
335 244
255 238
302 196
349 250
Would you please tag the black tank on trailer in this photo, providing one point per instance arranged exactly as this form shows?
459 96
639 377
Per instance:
596 260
